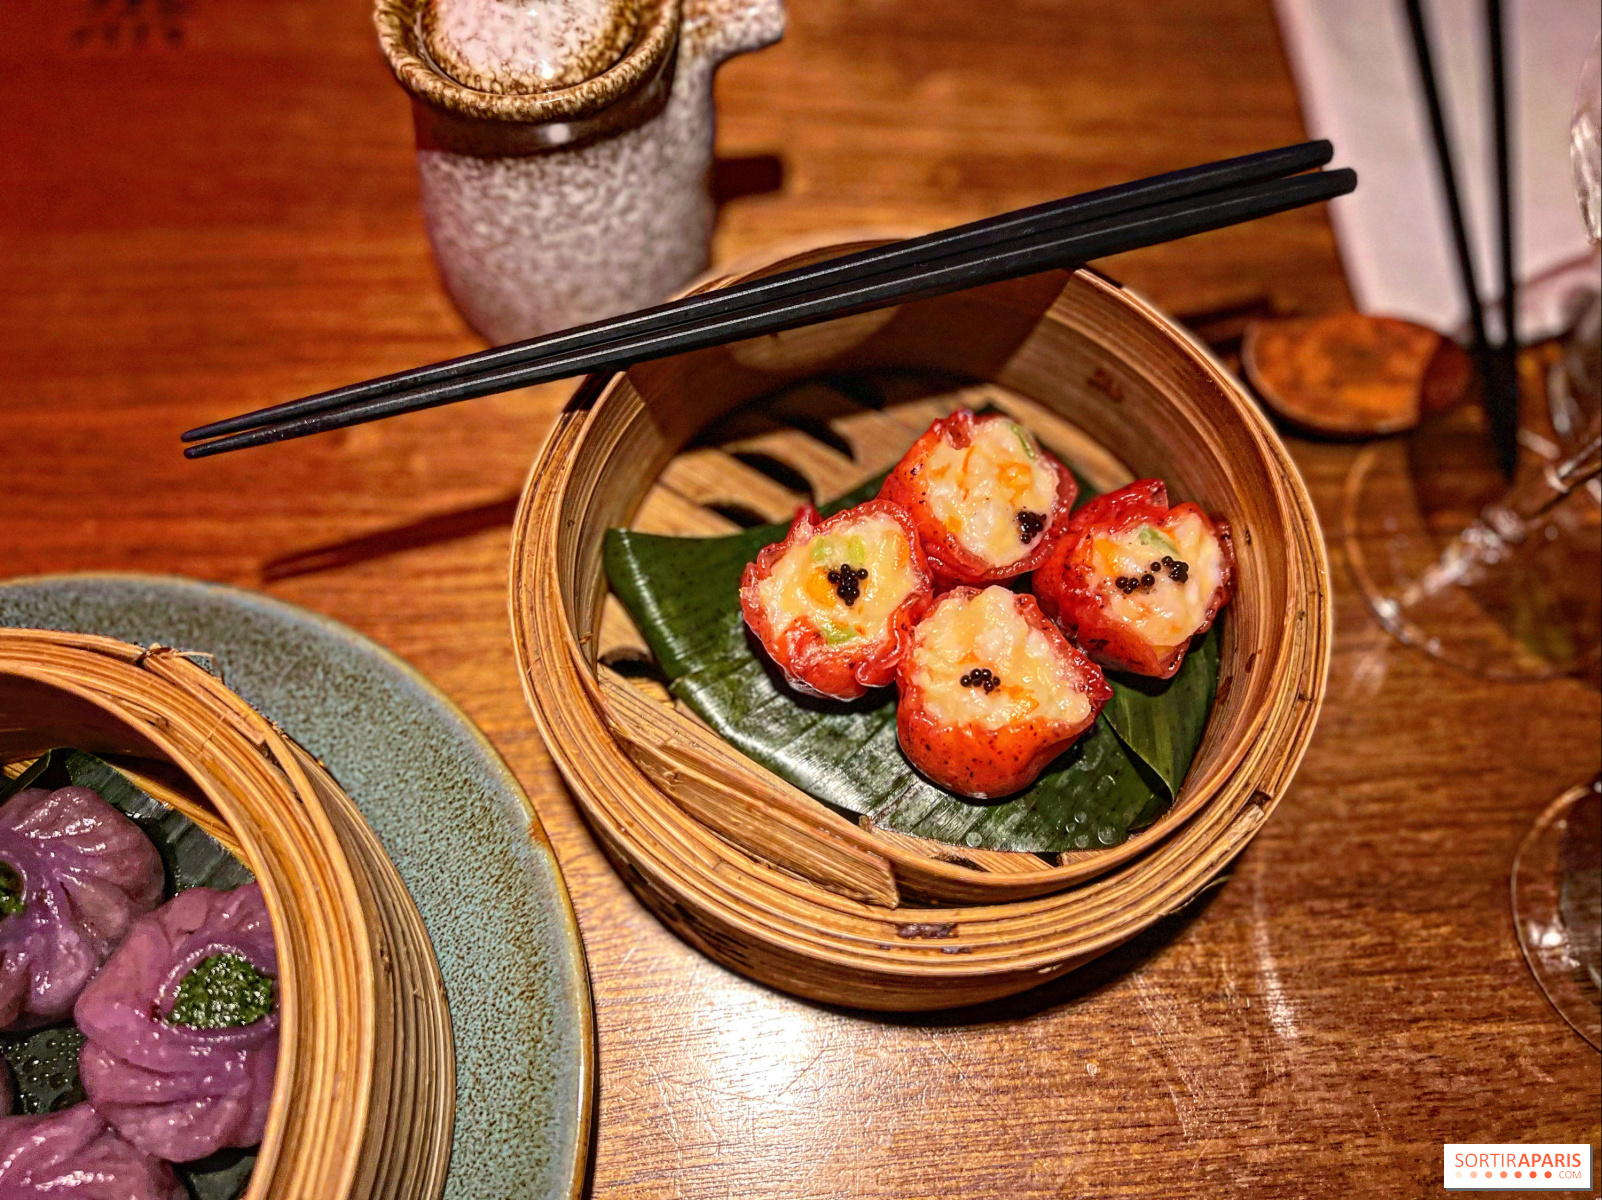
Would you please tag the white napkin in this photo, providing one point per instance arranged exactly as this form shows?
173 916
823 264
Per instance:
1358 82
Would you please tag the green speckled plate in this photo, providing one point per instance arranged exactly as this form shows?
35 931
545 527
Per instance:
490 893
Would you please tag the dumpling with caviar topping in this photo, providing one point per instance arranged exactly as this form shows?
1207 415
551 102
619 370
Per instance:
986 498
181 1026
1133 580
834 603
991 692
74 875
74 1155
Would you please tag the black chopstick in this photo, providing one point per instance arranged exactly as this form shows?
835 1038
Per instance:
1025 222
1447 170
1071 247
1500 415
1505 375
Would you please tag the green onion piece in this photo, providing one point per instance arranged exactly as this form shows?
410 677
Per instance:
856 551
1023 439
836 635
822 549
1151 537
223 991
12 897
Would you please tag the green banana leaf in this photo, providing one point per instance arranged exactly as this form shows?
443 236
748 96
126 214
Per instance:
1121 776
45 1061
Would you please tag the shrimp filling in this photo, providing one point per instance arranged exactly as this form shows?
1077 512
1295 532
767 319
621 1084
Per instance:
993 495
846 584
978 662
1158 579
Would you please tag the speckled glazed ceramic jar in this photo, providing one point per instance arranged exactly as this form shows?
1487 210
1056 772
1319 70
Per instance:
565 146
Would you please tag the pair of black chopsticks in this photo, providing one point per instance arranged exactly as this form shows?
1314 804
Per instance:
1497 364
1062 233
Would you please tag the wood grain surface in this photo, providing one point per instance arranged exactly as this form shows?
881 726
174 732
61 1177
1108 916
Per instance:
208 205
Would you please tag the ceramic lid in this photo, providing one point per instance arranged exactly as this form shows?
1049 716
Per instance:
527 46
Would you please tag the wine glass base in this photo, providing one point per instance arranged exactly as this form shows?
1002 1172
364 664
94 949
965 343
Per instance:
1438 580
1557 907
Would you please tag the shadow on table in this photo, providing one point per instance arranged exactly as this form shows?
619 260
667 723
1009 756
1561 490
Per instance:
738 176
431 530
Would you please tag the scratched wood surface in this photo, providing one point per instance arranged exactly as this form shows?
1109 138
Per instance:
210 205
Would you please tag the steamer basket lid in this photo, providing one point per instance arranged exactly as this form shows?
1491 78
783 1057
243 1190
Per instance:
520 47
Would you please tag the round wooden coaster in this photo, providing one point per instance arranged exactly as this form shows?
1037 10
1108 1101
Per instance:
1350 375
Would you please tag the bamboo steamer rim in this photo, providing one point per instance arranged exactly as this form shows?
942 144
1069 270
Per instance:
704 880
562 456
558 470
736 907
276 802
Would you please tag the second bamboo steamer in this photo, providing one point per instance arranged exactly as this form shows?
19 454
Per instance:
364 1096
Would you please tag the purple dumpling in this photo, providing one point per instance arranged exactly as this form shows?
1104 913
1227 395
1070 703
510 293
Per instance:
74 875
75 1155
182 1026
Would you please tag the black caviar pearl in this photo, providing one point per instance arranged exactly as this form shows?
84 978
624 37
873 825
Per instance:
1147 579
1029 524
847 581
981 677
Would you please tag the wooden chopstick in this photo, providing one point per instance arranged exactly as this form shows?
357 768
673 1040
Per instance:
1072 246
1024 222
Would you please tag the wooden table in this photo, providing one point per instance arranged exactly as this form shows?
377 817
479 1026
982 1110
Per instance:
221 212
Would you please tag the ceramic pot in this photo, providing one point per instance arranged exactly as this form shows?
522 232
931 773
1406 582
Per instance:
565 146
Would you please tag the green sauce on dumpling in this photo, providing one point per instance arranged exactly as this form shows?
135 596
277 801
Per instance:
222 992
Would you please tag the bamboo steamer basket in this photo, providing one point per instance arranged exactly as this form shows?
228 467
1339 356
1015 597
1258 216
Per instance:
364 1098
756 873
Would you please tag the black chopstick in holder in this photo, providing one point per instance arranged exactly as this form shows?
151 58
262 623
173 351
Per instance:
1448 171
1069 246
1021 223
1505 375
1497 366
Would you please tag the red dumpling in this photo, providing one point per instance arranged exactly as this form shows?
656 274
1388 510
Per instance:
991 692
987 500
1133 580
834 603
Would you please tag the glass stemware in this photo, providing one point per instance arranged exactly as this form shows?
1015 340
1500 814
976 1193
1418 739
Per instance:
1557 876
1503 584
1506 582
1557 906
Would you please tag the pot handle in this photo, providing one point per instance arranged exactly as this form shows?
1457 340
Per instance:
716 30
